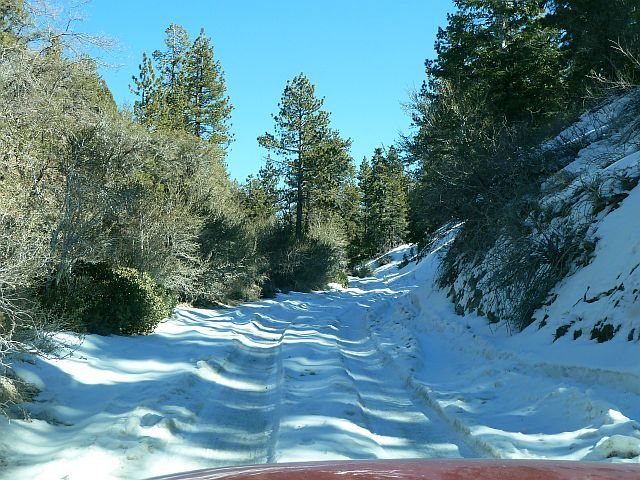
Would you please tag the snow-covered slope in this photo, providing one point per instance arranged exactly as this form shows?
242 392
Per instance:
584 234
599 301
514 396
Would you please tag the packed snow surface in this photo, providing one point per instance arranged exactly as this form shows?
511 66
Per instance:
382 369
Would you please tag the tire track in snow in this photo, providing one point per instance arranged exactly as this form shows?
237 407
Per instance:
322 418
419 421
342 401
421 395
243 423
504 370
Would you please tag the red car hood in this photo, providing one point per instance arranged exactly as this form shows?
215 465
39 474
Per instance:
422 470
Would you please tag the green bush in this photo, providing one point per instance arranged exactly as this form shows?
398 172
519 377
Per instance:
105 300
301 265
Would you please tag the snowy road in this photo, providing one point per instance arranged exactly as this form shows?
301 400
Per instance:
383 369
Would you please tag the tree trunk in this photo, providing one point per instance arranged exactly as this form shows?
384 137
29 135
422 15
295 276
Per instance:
299 199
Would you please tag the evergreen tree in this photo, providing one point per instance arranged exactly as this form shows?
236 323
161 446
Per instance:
503 51
170 67
330 172
384 186
498 72
147 87
208 107
260 194
365 182
314 159
183 89
394 214
592 31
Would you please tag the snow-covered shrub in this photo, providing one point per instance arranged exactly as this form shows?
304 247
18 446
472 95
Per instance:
106 300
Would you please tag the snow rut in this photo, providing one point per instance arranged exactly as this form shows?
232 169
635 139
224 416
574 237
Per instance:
243 410
403 423
487 396
469 444
344 399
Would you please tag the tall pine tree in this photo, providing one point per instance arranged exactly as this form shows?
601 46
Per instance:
147 87
505 53
498 73
314 159
208 108
170 64
592 33
384 186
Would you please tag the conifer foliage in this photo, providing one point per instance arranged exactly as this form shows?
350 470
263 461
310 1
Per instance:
506 77
384 207
314 160
593 34
182 88
312 177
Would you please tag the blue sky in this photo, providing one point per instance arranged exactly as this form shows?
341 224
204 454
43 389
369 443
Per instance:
364 56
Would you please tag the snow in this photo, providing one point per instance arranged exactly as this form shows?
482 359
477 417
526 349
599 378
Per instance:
382 369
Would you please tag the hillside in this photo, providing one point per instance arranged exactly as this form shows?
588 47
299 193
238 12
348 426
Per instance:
580 240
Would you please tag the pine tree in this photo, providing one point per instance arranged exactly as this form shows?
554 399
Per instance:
498 73
330 171
208 107
147 87
170 62
365 182
384 186
260 194
314 158
506 53
394 218
592 32
183 89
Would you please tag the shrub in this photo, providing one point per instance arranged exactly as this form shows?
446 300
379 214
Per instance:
383 260
562 330
233 269
362 271
405 261
106 300
603 331
302 265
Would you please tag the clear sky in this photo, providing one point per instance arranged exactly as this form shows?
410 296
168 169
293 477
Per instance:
363 56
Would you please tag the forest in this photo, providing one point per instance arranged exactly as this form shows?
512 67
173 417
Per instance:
110 217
